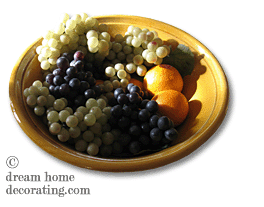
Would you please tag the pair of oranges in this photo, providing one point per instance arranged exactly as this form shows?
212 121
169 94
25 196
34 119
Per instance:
165 83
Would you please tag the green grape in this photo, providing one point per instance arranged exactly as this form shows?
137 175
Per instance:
55 128
106 111
96 111
81 145
103 119
92 42
83 110
37 84
31 100
141 70
92 149
96 128
119 66
74 132
26 92
53 116
109 71
41 100
108 87
119 38
59 104
91 102
63 135
117 47
130 68
97 141
44 91
72 121
63 115
124 82
82 126
33 90
107 138
79 115
101 103
127 49
161 52
121 74
88 136
138 60
89 119
136 42
69 109
39 110
104 36
151 57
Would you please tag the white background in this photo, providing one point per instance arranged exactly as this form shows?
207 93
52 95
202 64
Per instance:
226 171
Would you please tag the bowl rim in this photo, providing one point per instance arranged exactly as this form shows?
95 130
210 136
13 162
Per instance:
154 160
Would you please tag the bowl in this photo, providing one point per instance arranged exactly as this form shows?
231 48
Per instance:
206 90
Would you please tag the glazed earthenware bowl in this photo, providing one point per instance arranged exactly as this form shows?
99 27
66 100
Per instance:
206 90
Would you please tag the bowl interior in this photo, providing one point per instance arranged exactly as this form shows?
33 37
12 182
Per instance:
206 90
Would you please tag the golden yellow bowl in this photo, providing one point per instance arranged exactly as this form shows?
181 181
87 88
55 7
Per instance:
206 89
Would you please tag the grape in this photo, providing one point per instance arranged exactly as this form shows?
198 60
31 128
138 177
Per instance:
89 93
81 145
105 36
134 147
171 134
78 55
59 104
41 101
89 119
96 128
131 68
74 132
52 42
152 46
121 74
117 47
63 63
150 36
93 42
63 135
96 111
55 128
151 57
161 52
136 31
138 60
74 83
45 65
141 70
71 24
136 42
63 115
156 134
72 121
124 82
109 71
65 39
92 149
39 110
31 100
53 116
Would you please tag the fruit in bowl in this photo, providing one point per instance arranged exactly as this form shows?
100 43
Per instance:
90 104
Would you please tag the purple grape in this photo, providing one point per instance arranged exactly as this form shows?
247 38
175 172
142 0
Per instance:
49 78
78 55
63 63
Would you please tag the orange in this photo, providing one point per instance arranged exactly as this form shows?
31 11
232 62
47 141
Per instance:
136 82
161 78
172 104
